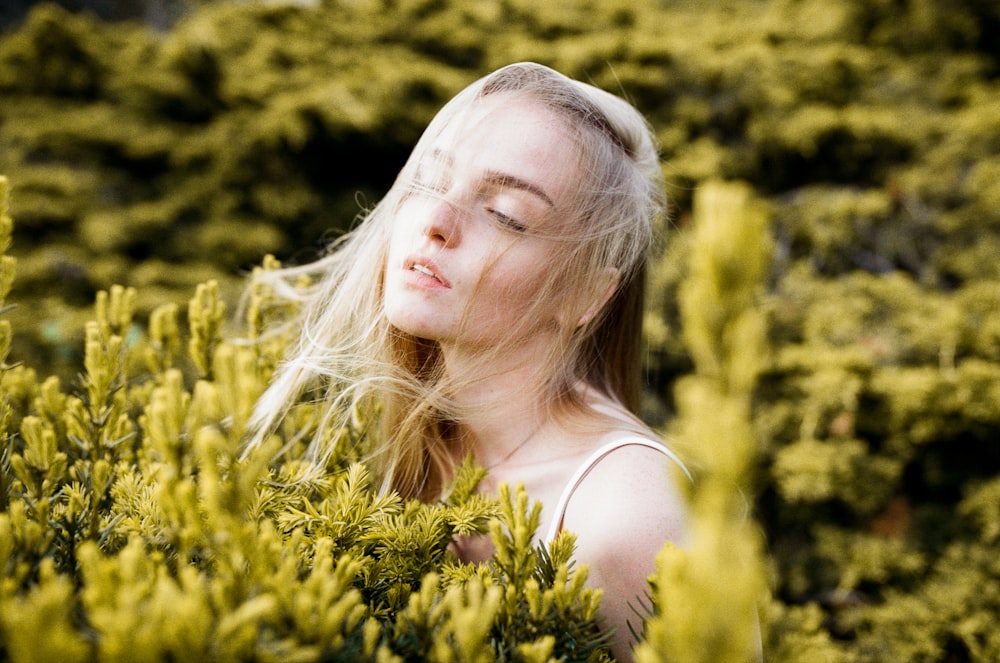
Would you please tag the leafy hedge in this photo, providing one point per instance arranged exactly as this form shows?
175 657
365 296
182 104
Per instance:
868 128
131 529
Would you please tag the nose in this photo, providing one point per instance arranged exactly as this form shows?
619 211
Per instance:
442 223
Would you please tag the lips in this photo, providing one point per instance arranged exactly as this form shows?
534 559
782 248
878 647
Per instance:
426 268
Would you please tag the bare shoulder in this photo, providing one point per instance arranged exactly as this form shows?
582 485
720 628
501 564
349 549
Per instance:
623 512
632 492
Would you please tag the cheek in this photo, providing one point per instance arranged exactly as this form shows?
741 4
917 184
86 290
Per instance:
518 288
399 239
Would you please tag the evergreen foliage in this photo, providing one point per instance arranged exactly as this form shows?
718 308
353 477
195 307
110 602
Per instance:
167 160
131 529
708 594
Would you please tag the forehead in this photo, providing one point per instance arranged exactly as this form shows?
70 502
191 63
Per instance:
513 135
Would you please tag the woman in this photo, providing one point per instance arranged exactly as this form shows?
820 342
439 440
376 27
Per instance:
491 304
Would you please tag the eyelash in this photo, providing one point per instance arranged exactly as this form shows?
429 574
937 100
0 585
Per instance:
507 221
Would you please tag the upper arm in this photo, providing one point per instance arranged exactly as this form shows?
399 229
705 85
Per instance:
623 513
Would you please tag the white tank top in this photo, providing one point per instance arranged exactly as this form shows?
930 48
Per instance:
581 473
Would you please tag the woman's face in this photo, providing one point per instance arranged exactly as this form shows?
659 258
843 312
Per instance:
471 241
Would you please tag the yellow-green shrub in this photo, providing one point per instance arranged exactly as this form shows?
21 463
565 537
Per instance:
130 528
163 160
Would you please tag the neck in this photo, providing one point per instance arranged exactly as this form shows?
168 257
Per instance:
500 401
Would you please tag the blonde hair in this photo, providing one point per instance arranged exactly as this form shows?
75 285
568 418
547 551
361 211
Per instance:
347 355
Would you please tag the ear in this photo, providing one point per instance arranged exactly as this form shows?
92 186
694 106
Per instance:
612 278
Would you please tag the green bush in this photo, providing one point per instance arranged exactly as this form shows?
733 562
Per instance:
132 528
868 128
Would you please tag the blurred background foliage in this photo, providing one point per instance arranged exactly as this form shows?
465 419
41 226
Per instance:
188 141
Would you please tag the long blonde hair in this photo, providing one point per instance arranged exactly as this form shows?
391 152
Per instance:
346 355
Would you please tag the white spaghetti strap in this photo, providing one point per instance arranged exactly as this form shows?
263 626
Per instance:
581 473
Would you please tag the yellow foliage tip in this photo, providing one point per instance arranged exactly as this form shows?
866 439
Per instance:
4 197
6 223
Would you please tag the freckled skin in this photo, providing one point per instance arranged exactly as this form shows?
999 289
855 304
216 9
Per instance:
494 272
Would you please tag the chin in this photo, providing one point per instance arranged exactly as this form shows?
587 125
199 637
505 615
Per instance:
414 326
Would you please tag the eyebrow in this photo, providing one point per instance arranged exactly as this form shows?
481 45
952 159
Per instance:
498 178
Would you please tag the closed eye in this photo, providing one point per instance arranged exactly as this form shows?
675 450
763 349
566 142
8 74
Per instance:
507 221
